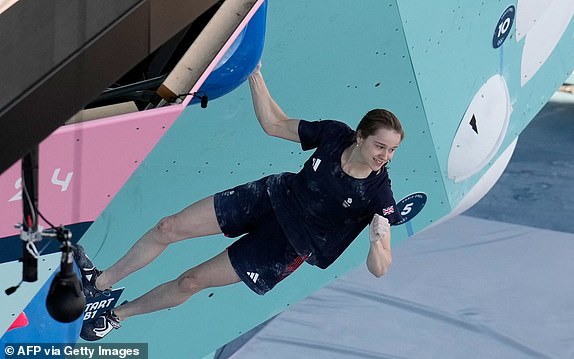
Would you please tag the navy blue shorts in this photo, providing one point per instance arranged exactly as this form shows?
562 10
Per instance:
263 256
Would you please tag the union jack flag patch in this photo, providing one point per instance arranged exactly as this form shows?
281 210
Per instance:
388 210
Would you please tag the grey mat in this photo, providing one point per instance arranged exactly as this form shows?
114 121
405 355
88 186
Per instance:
469 288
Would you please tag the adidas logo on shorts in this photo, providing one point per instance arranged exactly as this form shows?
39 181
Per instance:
254 276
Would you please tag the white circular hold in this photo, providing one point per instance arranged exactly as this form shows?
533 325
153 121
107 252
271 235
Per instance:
527 14
542 35
481 131
483 185
486 181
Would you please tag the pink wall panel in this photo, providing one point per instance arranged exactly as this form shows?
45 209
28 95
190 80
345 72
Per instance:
82 166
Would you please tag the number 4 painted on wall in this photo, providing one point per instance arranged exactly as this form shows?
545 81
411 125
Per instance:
64 184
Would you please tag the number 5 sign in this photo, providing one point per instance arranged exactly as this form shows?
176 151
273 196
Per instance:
411 205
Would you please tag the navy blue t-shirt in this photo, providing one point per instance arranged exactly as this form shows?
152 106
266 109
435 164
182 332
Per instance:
322 209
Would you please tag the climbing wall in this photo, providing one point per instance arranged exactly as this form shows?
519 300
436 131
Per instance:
437 66
465 80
